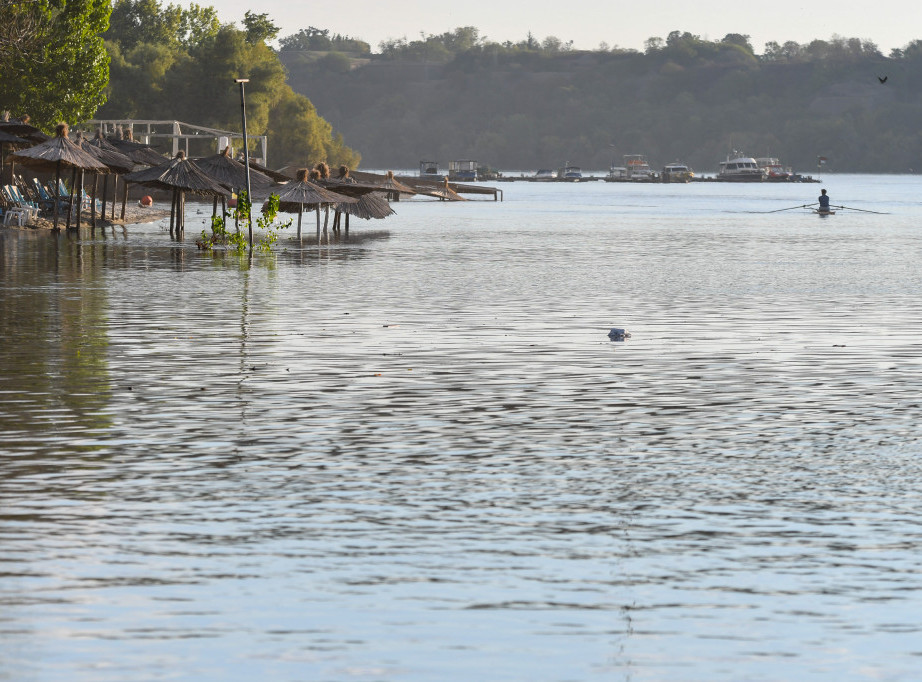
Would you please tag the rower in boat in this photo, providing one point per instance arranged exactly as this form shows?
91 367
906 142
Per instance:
824 204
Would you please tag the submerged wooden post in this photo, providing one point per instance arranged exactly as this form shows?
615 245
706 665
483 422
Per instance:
172 211
105 189
93 199
80 200
70 206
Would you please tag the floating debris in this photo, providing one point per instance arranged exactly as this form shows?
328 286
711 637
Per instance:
618 334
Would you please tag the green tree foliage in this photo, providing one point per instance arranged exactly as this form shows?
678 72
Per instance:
145 21
535 104
53 61
174 63
319 40
259 28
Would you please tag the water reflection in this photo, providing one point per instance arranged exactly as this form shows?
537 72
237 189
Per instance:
421 457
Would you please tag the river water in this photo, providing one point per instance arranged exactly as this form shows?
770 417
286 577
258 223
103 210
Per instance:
414 454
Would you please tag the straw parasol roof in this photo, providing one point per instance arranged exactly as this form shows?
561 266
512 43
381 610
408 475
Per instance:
22 128
275 175
304 192
56 152
391 184
115 161
369 205
8 138
231 173
138 152
177 173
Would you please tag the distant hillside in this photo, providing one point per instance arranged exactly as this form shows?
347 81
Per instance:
683 99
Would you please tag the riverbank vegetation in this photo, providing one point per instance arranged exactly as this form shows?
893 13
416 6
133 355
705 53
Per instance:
539 103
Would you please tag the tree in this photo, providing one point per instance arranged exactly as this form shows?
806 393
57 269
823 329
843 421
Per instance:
55 66
259 28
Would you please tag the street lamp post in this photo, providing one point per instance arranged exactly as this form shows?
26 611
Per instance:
246 155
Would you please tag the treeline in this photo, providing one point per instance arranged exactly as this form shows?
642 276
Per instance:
540 103
170 62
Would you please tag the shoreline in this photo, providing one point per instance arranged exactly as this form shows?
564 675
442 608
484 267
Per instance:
134 215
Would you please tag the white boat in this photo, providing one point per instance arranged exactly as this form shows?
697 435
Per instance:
676 172
638 170
740 168
616 174
429 170
545 175
570 174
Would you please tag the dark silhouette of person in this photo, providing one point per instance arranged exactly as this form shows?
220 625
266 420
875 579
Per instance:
824 200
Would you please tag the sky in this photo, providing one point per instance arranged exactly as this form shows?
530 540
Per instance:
588 23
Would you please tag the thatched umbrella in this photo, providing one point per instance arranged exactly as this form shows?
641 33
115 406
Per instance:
140 153
303 193
22 128
114 160
180 175
371 205
275 175
232 174
394 187
12 141
54 153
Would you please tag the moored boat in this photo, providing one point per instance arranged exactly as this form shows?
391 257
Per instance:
429 170
676 172
638 170
739 168
773 170
570 174
545 175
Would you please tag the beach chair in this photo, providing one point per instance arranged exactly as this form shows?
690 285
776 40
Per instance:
16 200
43 196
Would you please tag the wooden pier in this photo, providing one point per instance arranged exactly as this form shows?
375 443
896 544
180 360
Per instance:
429 187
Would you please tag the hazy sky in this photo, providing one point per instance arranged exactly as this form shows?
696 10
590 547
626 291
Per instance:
888 23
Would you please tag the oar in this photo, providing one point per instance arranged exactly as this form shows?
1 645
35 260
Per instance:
863 210
789 208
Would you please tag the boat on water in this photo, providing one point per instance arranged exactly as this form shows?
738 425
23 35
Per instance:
739 168
616 174
676 172
429 170
545 175
464 170
638 170
570 174
773 170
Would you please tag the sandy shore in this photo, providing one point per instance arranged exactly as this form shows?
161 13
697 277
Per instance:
134 215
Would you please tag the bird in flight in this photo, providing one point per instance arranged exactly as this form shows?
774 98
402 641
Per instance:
882 79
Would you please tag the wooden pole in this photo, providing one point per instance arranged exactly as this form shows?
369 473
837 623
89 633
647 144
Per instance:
300 211
80 200
318 223
124 199
105 188
70 205
57 193
347 223
93 199
172 211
